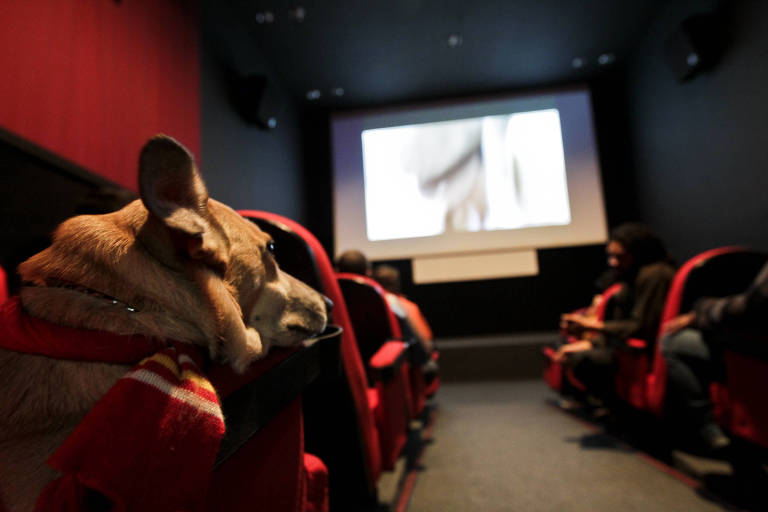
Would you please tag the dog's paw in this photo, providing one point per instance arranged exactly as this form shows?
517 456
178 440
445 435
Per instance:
253 347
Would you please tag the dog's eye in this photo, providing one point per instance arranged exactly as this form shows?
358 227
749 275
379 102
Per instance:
271 247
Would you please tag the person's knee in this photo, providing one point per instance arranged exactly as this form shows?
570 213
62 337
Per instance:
685 343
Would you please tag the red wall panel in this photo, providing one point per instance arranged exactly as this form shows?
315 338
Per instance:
92 80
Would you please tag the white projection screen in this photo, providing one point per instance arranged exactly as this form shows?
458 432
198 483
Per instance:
468 179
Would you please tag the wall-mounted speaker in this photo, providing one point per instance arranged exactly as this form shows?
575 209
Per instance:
254 99
695 46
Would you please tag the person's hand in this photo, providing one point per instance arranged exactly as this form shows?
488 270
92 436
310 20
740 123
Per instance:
578 323
570 348
597 300
679 323
569 323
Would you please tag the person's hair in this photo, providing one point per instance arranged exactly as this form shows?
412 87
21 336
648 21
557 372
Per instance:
353 261
388 277
640 242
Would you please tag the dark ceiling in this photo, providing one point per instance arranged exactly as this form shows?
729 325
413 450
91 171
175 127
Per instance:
383 52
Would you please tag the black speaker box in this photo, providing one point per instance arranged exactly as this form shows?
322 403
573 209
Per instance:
695 46
254 99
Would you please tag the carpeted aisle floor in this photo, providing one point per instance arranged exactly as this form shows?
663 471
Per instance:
501 446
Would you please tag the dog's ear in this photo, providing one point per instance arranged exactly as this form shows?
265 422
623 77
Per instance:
172 190
170 186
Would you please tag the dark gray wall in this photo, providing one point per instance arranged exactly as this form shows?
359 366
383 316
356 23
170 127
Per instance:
700 147
245 166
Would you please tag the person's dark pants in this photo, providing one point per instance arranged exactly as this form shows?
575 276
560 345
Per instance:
693 362
596 369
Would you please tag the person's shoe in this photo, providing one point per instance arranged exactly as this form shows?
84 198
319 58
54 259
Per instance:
569 404
713 438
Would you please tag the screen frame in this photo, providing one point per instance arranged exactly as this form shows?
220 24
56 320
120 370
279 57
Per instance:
584 184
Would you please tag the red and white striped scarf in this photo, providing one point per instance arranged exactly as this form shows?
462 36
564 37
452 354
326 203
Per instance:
150 442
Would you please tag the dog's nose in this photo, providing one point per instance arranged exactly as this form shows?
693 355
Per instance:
328 304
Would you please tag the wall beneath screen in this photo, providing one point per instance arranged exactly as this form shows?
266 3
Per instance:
700 145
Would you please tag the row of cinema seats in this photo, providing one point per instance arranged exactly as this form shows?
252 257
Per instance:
311 428
358 421
641 378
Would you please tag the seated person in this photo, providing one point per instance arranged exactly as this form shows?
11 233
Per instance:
641 264
354 262
602 283
692 347
389 279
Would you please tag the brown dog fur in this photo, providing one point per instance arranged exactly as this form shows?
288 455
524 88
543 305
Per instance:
193 270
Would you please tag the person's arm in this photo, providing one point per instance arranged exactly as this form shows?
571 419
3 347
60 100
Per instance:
418 324
740 311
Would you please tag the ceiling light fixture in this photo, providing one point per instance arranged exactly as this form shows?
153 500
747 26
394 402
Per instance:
298 13
577 62
313 95
606 58
338 91
455 40
265 17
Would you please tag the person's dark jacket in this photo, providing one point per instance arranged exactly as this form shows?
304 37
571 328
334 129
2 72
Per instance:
637 310
742 312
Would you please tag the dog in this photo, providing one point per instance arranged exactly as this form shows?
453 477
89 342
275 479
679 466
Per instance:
172 265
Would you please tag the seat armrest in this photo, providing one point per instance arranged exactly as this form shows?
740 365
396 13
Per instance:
636 346
417 355
387 360
262 396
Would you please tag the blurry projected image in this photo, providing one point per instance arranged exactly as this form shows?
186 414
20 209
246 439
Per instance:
480 174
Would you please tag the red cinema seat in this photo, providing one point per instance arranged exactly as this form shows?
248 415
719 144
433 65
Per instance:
423 385
642 374
377 329
3 286
346 418
262 463
739 402
554 374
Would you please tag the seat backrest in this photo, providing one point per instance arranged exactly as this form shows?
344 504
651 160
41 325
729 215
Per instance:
607 296
261 457
263 417
714 273
717 272
3 286
299 253
371 317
